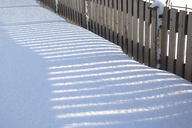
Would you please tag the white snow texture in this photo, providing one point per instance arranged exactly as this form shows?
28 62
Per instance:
57 75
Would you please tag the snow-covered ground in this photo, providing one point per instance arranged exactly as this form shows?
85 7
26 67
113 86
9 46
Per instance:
57 75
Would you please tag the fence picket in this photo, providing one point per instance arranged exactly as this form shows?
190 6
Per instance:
147 34
188 66
110 21
181 43
172 40
105 19
135 28
115 21
153 50
125 29
130 28
102 17
119 23
141 31
164 39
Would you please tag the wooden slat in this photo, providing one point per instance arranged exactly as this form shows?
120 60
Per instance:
181 43
115 21
141 31
66 8
94 16
147 34
97 17
72 10
76 12
125 27
130 28
91 13
107 17
101 17
164 39
135 27
172 40
84 14
153 51
110 21
119 23
80 13
188 66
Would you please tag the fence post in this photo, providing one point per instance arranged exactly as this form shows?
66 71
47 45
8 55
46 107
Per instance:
164 39
154 45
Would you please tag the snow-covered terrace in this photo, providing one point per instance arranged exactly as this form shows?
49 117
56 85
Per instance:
54 74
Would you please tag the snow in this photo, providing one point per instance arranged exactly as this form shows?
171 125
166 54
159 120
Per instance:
181 3
57 75
160 4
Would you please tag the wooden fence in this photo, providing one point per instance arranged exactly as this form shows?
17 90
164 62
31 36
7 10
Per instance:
176 44
74 10
49 3
128 23
132 25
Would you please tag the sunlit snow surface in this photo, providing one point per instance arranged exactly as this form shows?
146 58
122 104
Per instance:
57 75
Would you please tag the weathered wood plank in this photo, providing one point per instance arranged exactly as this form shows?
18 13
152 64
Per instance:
94 16
188 66
98 17
141 31
110 20
172 40
153 51
84 14
119 23
89 14
164 34
105 19
181 43
125 27
115 21
147 34
101 17
130 29
135 28
78 15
